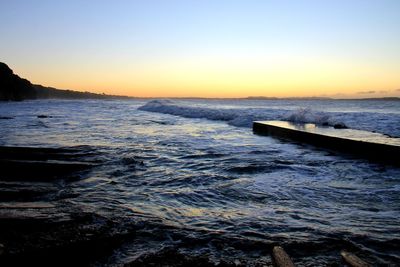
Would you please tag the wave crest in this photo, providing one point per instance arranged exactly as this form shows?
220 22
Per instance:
240 117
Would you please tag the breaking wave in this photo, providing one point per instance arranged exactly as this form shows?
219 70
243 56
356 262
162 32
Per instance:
240 117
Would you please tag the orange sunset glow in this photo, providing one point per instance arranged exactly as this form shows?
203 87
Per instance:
210 50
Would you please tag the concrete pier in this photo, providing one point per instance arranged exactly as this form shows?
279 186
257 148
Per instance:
361 143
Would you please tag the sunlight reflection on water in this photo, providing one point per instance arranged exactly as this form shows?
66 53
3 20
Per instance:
206 177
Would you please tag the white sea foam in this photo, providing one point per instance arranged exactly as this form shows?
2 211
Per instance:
243 116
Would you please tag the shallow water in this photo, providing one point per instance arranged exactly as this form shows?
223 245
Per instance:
193 176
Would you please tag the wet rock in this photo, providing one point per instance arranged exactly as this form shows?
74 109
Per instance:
171 257
43 116
132 161
353 260
43 153
43 164
43 233
340 126
281 258
24 170
38 225
16 212
26 191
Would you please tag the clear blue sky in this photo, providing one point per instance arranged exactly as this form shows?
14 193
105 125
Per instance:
117 44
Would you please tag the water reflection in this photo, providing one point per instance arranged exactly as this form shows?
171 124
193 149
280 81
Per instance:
213 189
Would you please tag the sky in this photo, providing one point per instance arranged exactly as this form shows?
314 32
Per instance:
207 48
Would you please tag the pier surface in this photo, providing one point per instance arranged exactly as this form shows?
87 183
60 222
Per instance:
362 143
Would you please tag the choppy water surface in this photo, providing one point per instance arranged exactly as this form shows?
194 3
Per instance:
194 177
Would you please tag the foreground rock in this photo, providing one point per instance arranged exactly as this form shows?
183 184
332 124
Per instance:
172 257
39 225
281 258
55 234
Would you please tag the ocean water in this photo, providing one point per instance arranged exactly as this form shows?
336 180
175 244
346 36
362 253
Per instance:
194 178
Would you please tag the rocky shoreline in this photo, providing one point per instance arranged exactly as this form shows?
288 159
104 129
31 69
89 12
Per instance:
43 223
38 223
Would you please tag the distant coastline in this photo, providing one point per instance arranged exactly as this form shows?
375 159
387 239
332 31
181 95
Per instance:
15 88
393 98
278 98
44 92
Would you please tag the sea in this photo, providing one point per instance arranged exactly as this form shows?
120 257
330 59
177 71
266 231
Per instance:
195 178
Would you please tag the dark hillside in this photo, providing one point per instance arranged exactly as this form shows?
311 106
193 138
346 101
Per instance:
15 88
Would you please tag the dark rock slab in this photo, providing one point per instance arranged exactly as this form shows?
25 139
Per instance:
24 170
39 224
15 212
52 234
26 191
47 153
44 164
